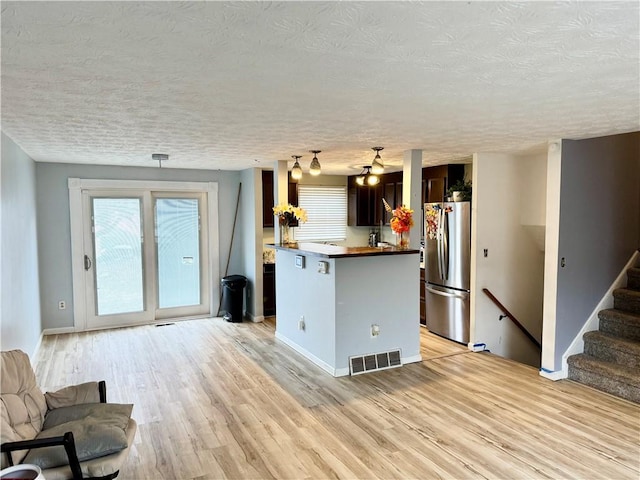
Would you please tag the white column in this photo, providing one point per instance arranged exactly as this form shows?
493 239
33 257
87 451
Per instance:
411 191
280 190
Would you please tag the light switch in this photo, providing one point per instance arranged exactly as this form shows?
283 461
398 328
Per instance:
323 267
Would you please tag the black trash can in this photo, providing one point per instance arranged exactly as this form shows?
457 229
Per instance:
233 297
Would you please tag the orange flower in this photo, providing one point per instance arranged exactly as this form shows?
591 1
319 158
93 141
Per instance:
402 219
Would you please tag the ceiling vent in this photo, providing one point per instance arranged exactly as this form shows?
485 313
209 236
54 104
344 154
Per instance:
374 362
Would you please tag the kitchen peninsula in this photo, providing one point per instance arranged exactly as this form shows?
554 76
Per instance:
334 303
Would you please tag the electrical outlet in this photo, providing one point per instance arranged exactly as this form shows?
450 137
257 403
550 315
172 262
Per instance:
375 330
301 324
62 305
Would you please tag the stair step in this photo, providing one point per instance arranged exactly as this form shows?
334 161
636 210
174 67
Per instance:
633 279
612 349
626 300
618 380
619 323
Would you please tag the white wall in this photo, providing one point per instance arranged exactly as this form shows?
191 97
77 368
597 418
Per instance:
508 210
20 305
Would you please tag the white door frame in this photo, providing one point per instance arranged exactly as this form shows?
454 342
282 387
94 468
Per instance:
76 187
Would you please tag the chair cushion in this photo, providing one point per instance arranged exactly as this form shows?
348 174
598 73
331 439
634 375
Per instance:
98 430
22 404
73 395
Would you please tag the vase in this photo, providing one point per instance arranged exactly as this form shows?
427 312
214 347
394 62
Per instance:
286 234
402 240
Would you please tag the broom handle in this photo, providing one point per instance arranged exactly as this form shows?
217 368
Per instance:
233 232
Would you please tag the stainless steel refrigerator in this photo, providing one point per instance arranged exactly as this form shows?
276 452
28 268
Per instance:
447 268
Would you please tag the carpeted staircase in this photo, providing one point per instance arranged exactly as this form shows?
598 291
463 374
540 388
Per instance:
611 358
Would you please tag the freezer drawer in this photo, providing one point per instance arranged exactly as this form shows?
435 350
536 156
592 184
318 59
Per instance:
447 312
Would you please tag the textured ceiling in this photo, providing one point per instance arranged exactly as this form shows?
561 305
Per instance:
231 85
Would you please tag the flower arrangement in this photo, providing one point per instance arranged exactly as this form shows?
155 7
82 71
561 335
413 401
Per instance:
286 213
402 219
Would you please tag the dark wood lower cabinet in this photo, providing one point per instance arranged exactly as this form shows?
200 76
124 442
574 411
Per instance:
423 305
269 289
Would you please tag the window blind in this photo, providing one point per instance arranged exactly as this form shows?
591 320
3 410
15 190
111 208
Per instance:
326 213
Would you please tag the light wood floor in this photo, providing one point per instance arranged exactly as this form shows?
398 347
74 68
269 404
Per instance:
220 400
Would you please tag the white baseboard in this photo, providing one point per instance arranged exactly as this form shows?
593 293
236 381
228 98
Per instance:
557 375
58 331
255 318
36 349
412 359
305 353
477 347
336 372
592 323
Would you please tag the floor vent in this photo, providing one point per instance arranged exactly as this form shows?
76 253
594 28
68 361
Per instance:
374 362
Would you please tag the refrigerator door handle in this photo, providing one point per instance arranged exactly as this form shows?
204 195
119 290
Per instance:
439 244
445 245
445 294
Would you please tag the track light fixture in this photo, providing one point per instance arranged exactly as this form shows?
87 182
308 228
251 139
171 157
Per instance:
314 168
296 170
377 167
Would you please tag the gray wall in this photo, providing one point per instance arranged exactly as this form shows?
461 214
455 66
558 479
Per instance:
54 237
20 304
599 228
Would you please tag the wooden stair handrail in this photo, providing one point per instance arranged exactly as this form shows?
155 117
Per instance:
511 317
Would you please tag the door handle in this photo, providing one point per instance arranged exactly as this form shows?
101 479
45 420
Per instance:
439 244
87 262
445 244
445 294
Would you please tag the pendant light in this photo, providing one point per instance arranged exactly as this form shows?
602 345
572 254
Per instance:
314 168
377 167
296 170
367 178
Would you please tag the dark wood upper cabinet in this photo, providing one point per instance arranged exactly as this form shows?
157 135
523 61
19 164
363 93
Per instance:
392 193
365 207
268 199
436 181
364 204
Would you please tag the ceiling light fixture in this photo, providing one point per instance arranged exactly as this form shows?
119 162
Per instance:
296 170
160 157
314 168
367 178
377 167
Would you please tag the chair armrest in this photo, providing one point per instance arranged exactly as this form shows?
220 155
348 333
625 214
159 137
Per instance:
65 440
102 389
90 392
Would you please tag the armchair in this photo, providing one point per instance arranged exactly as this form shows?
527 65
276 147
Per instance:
70 434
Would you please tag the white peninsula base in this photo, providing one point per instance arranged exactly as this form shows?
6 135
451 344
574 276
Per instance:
334 303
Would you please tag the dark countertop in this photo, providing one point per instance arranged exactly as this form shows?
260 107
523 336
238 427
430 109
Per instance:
333 251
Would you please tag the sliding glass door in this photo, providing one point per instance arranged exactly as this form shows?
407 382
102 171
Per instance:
145 256
179 250
117 256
